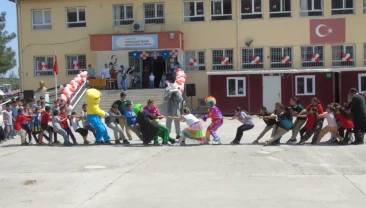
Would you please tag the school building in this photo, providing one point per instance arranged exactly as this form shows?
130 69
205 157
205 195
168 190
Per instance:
246 53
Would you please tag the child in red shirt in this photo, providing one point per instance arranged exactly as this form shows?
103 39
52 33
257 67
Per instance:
18 125
310 126
64 125
346 124
46 118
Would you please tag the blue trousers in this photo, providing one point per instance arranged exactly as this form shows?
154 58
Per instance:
151 84
124 84
98 125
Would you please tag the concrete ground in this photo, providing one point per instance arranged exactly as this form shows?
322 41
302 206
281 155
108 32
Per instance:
188 176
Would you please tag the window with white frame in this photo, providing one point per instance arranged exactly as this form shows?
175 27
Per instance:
251 9
123 14
305 85
312 56
279 8
222 59
281 57
361 83
364 54
343 55
235 87
252 58
75 63
342 7
76 17
221 10
41 19
194 61
310 8
43 66
193 11
154 13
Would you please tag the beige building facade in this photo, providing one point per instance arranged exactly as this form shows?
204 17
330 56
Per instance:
218 36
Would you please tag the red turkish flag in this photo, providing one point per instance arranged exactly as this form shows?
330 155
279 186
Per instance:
55 65
327 31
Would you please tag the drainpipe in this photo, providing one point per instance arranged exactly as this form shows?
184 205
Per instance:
238 32
20 57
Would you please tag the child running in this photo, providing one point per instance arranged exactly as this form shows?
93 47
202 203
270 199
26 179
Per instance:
310 126
195 129
269 123
217 120
75 125
247 122
21 117
332 126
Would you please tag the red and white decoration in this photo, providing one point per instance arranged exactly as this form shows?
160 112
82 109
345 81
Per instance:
224 60
144 55
315 57
75 65
44 66
346 57
174 53
286 59
255 60
69 89
193 62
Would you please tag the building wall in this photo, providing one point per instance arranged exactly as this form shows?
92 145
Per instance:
348 80
207 35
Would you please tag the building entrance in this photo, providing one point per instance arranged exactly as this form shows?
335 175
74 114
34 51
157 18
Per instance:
155 66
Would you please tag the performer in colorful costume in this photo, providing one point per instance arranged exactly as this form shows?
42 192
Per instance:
174 100
217 120
95 115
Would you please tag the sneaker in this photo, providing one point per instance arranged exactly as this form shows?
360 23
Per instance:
107 142
157 144
24 144
125 141
177 144
172 141
50 143
216 141
67 144
166 144
234 142
255 142
177 137
265 144
74 142
98 143
357 142
57 142
301 143
118 142
291 141
86 142
208 141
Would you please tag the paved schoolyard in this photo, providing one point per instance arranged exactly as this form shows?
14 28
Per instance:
191 176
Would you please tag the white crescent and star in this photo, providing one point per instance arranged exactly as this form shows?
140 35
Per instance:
317 32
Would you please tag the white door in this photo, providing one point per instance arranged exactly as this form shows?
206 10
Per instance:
271 91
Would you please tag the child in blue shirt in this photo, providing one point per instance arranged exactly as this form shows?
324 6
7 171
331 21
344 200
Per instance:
131 120
14 111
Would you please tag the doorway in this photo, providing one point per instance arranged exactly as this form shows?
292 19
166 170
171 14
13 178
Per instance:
271 91
155 66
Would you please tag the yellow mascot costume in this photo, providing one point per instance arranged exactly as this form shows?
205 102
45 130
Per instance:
95 115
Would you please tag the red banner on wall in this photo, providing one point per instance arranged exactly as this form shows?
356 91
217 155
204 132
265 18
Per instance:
327 31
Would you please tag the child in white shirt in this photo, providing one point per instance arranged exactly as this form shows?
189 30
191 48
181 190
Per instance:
332 126
152 78
75 125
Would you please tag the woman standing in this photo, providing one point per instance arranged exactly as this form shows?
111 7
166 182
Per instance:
247 122
296 108
129 76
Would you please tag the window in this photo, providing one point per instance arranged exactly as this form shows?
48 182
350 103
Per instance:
305 85
123 14
42 20
342 7
235 87
279 8
310 8
343 55
154 13
364 54
76 17
361 83
222 59
75 63
43 66
281 57
194 61
312 56
364 6
194 11
221 10
251 9
252 58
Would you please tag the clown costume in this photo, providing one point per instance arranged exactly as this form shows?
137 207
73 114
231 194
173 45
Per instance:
217 120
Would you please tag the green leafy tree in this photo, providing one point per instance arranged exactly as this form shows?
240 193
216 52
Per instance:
7 55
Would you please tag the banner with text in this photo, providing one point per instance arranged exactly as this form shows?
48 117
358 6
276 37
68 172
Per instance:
126 42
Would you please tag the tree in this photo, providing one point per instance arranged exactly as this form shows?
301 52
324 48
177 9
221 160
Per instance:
7 55
12 75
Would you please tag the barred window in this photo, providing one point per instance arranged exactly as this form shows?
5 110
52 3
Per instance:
312 56
343 55
43 66
194 11
251 9
281 57
75 63
252 58
123 14
154 13
194 61
221 10
222 59
279 8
